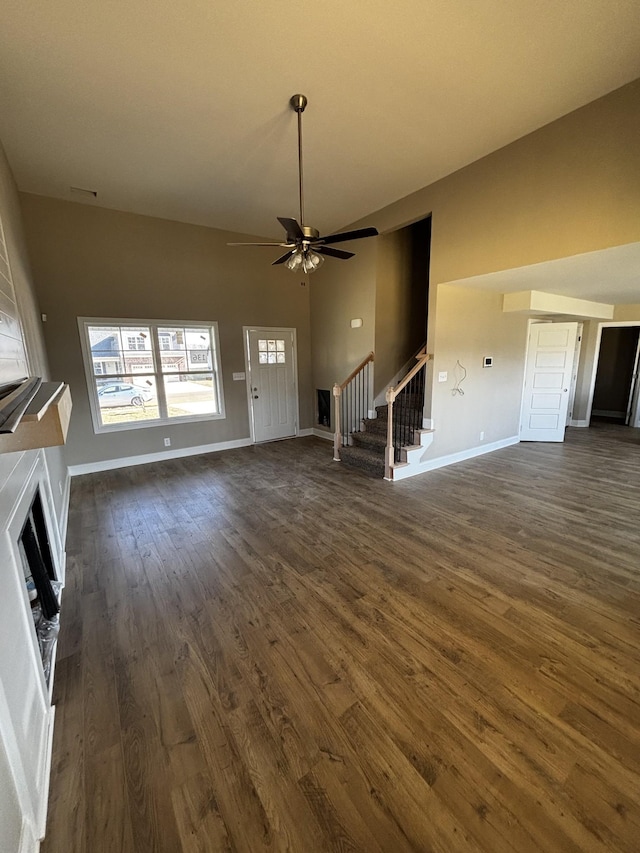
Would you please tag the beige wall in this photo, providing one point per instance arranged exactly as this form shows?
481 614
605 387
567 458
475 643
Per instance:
21 345
571 187
340 292
399 331
93 262
627 312
470 324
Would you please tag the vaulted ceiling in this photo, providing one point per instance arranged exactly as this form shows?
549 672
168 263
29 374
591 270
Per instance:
180 110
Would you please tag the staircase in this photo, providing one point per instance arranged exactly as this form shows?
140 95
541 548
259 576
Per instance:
381 449
367 448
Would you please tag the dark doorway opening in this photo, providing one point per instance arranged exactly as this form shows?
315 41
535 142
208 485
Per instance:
616 375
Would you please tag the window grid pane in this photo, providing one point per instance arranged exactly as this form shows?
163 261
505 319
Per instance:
271 352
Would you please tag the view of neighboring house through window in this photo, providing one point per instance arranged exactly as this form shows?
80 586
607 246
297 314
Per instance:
142 373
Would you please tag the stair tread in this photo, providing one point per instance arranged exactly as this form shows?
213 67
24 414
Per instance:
365 460
373 440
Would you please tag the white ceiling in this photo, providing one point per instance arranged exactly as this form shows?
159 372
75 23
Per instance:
611 276
180 109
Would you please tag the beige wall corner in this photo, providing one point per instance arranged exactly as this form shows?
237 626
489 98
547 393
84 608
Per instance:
342 291
628 312
94 262
470 325
573 186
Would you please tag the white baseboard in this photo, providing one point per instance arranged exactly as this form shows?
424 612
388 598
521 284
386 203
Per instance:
126 461
428 423
322 433
575 423
441 462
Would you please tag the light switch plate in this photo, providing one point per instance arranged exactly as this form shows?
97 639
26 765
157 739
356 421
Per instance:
238 377
442 376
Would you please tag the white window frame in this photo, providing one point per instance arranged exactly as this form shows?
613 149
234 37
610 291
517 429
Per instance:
153 325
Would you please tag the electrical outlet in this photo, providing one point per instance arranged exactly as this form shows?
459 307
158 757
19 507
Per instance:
482 436
167 442
60 487
442 376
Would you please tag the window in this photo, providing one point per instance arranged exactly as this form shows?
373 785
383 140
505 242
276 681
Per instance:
136 341
271 352
142 373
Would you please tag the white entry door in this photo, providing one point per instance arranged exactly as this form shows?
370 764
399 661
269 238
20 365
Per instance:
547 381
272 383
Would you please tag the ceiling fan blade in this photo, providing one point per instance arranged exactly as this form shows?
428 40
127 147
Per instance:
333 253
284 258
291 227
349 235
260 244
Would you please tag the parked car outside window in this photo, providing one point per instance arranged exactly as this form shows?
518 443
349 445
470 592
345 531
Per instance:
123 394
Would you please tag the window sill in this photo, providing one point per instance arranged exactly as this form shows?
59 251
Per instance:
157 422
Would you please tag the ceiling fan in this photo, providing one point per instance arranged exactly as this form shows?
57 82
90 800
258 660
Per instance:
305 247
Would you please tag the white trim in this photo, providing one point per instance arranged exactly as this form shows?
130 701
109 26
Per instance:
96 413
579 423
126 461
402 473
304 432
322 433
13 755
28 841
46 777
64 518
428 423
596 357
247 367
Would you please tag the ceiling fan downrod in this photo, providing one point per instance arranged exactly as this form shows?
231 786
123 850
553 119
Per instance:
298 103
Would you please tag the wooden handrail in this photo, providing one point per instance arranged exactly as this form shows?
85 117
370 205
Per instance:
354 372
389 455
393 392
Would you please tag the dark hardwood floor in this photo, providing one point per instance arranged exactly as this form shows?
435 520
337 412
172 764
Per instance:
263 650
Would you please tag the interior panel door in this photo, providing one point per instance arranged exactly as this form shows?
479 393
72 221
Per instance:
547 381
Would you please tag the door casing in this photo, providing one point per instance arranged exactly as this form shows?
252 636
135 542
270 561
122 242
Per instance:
270 331
635 411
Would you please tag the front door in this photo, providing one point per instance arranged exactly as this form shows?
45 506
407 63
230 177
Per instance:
547 381
272 383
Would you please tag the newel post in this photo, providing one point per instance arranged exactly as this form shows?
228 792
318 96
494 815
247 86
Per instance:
337 438
388 452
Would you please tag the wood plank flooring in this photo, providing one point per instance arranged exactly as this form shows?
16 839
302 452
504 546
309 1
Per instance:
262 650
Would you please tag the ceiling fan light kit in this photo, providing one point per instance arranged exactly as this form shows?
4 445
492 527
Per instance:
305 247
